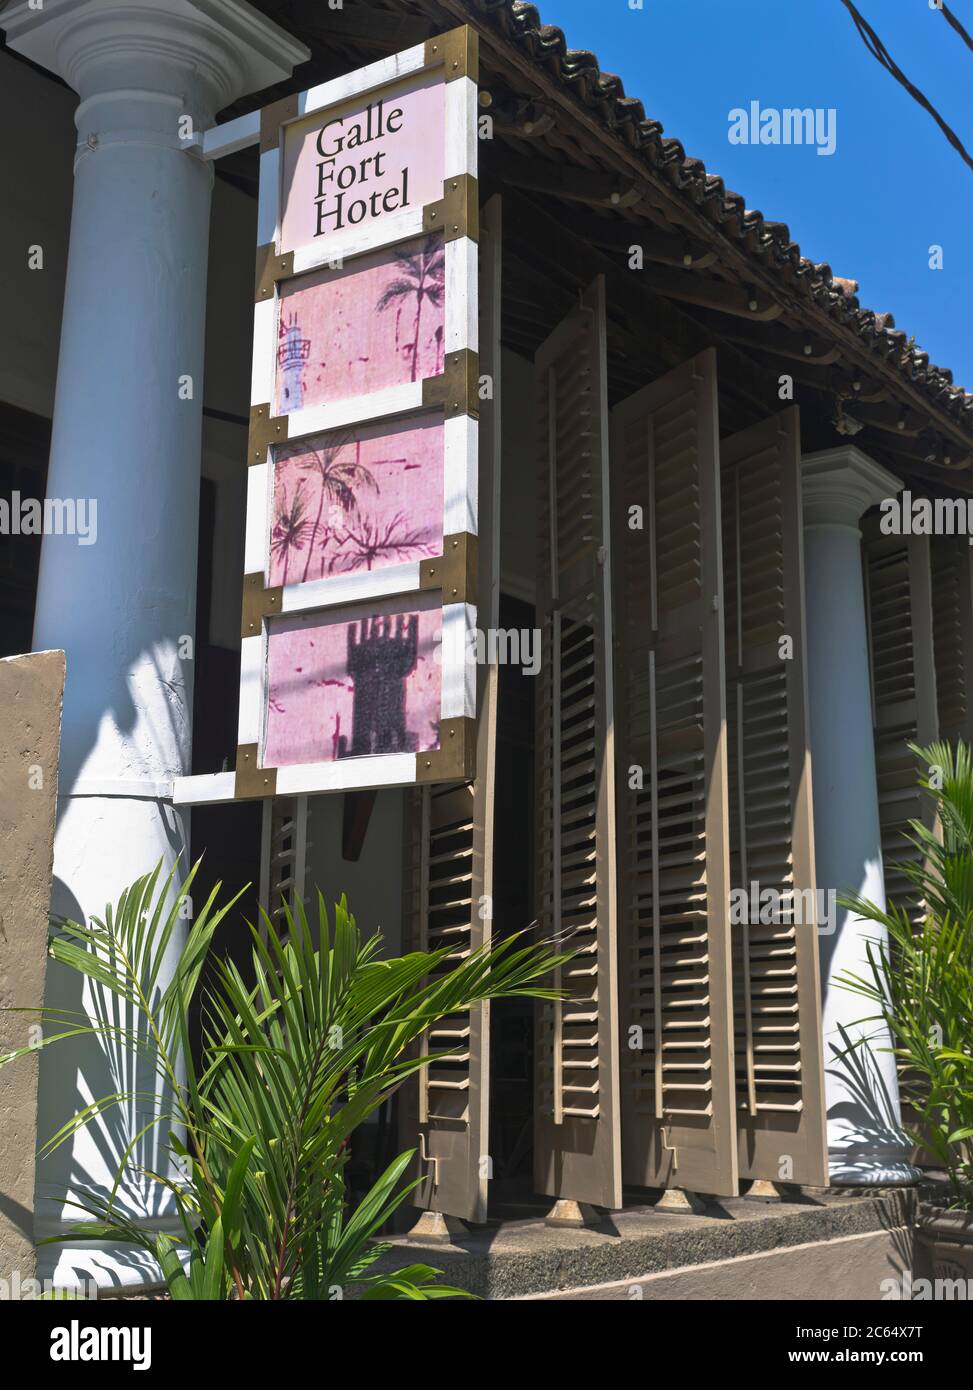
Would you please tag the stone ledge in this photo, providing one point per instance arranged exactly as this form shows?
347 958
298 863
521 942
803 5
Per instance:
520 1258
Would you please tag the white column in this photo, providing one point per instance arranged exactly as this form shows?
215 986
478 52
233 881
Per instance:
865 1143
127 429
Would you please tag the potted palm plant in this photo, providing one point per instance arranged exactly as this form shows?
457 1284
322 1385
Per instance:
922 989
295 1055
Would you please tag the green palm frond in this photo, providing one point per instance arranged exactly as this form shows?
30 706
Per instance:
299 1049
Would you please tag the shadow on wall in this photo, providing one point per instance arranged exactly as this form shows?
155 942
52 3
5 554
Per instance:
869 1112
100 1068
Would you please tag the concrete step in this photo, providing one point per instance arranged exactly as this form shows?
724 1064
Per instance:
825 1245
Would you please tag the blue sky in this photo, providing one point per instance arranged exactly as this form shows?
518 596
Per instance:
894 186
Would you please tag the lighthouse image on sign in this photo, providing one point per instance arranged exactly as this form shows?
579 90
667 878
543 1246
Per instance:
292 354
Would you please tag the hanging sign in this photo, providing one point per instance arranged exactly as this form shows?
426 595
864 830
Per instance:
359 608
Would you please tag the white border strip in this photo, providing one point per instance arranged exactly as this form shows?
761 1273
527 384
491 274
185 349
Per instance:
462 140
384 231
252 682
379 770
257 543
462 295
458 666
460 475
355 410
353 84
268 198
358 587
204 790
231 136
263 372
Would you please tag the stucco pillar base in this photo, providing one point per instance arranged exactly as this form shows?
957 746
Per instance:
895 1175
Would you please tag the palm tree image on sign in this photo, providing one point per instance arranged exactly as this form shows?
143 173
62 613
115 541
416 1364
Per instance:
358 499
377 322
422 278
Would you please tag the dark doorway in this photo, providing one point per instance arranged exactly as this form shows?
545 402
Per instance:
512 1020
25 443
225 837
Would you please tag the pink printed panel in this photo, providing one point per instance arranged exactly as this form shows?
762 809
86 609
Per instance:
357 163
355 683
358 499
378 322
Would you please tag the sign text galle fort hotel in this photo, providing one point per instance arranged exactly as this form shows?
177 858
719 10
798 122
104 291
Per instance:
346 192
367 159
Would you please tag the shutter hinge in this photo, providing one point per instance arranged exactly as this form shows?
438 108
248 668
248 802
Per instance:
425 1157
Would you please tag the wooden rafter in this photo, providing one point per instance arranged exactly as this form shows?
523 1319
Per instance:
564 181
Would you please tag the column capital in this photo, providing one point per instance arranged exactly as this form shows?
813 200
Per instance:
203 54
839 486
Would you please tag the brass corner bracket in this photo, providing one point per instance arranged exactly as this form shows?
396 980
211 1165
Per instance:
258 603
457 212
272 117
458 389
270 269
252 782
458 50
455 758
265 429
455 571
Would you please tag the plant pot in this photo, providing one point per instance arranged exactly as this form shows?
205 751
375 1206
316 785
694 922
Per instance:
945 1238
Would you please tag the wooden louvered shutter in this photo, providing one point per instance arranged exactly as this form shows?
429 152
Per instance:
952 620
673 840
776 986
445 1109
577 1147
448 853
900 637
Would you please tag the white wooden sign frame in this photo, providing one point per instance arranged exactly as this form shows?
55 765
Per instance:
453 395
